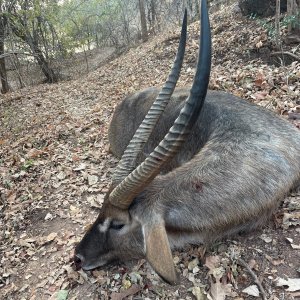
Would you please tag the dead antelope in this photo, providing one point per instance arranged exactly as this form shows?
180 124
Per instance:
220 169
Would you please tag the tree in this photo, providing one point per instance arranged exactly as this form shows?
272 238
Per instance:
293 12
277 24
49 30
3 74
27 23
260 8
143 20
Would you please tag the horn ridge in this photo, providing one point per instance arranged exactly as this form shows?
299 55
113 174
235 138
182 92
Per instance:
135 146
136 181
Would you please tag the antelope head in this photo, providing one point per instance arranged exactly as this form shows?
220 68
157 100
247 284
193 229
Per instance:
130 224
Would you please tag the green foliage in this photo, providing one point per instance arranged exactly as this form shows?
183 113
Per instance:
33 19
27 164
62 295
63 27
269 26
80 23
291 20
55 29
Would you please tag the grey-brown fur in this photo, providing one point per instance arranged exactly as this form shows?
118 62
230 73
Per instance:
239 160
235 166
224 121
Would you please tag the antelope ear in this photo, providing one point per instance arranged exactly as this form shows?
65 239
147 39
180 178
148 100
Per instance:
158 252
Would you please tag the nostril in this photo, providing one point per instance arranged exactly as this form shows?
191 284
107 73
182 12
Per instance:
78 260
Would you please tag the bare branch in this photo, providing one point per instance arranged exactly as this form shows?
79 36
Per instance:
296 57
253 275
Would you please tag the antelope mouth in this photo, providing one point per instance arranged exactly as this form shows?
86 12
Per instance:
93 266
81 263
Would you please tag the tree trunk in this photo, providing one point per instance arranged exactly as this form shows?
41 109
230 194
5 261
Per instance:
50 75
153 14
17 67
277 24
39 56
88 37
143 20
97 40
43 63
197 7
293 9
3 74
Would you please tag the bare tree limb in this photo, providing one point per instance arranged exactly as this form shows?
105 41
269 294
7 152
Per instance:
296 57
255 279
277 24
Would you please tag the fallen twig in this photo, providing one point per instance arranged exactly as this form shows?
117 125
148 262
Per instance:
285 53
256 281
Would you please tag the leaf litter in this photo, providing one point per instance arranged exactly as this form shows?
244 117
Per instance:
55 169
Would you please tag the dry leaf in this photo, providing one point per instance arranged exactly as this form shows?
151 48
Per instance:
192 264
251 290
259 44
294 246
81 167
34 153
219 291
198 293
266 238
134 289
212 262
292 284
61 175
92 179
47 239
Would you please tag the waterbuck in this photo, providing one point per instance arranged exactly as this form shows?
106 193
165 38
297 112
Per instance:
207 170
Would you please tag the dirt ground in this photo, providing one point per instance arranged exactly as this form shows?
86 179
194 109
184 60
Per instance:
55 169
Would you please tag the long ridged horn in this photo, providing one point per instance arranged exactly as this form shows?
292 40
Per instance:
141 136
123 195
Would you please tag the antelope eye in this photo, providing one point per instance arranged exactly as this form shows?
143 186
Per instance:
116 225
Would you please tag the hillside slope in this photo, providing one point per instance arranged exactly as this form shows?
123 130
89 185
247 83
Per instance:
55 168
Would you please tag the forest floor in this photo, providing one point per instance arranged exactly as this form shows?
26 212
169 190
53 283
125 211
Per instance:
55 168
